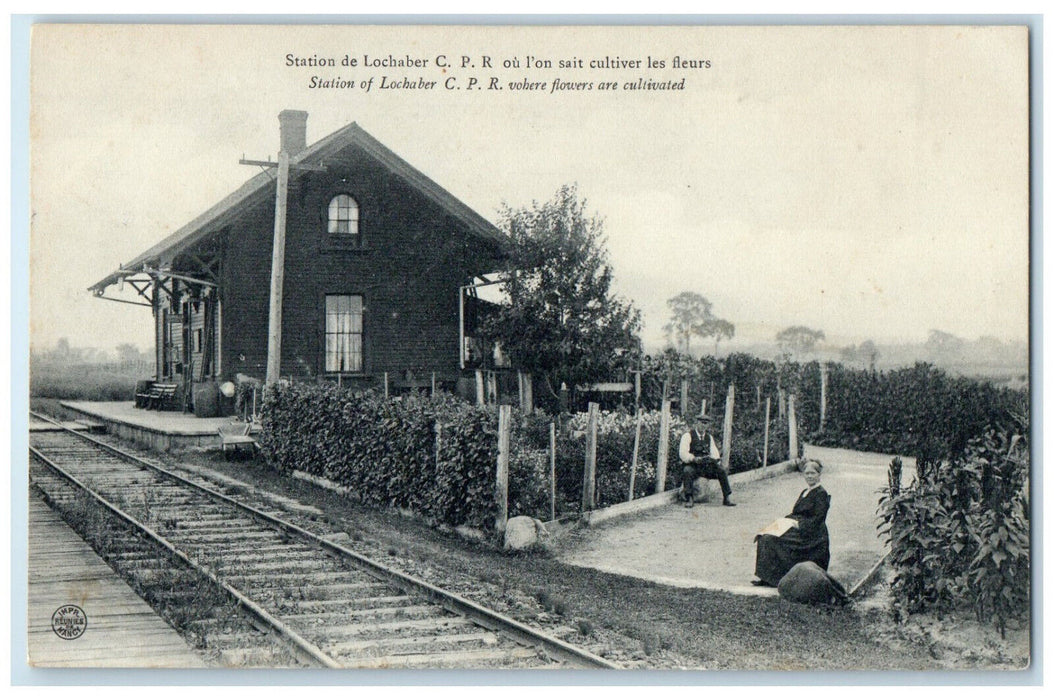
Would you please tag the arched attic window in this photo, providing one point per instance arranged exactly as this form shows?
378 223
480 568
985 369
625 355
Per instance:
343 215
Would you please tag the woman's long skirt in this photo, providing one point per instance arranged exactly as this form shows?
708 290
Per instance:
776 555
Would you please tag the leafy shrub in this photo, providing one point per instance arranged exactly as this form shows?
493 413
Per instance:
959 534
615 435
748 438
529 483
434 456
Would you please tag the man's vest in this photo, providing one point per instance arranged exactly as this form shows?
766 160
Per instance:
702 445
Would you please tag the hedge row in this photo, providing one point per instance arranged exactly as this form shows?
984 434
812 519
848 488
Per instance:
391 453
388 452
919 410
709 378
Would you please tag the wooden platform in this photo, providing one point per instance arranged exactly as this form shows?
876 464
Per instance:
121 631
155 430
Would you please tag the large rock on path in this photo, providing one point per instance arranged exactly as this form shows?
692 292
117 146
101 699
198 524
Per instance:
522 532
807 583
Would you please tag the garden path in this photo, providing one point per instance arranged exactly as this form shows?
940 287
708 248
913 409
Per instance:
710 546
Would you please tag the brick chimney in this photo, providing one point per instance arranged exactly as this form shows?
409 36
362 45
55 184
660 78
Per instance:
293 125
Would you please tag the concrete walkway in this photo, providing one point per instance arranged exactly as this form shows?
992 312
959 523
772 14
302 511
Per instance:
711 546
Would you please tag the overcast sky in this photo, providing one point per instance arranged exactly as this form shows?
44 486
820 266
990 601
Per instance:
870 182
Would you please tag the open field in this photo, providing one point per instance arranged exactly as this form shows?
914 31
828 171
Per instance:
85 381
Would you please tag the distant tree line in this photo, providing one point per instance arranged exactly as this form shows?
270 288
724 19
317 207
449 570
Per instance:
692 317
64 352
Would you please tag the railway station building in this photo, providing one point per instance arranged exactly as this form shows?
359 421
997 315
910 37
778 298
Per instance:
380 269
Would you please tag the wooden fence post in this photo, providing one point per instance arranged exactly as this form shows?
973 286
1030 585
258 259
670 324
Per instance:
726 429
502 481
386 385
590 473
480 398
552 471
823 395
636 452
792 429
684 399
636 391
526 391
765 457
433 383
664 447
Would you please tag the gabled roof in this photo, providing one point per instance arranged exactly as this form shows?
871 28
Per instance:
261 187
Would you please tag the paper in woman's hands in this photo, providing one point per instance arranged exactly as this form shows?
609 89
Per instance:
778 526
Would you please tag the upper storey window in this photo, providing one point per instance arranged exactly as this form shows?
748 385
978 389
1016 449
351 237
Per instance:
343 215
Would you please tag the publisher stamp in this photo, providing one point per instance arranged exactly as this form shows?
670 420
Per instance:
69 622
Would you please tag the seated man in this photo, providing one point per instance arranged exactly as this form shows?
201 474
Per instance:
700 456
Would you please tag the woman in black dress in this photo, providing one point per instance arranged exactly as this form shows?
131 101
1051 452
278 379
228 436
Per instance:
808 541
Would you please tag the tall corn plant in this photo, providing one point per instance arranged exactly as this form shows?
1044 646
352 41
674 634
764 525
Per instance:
913 522
959 534
999 574
958 483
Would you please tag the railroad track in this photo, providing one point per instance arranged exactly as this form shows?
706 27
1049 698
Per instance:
328 605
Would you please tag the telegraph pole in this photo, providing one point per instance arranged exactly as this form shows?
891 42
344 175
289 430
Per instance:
292 139
274 316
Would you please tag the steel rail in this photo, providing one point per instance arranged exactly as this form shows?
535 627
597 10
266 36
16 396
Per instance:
452 602
301 648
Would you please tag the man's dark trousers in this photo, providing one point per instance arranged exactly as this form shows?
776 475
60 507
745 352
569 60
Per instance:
708 469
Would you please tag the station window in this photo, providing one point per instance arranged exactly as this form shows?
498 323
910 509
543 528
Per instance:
343 333
343 216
